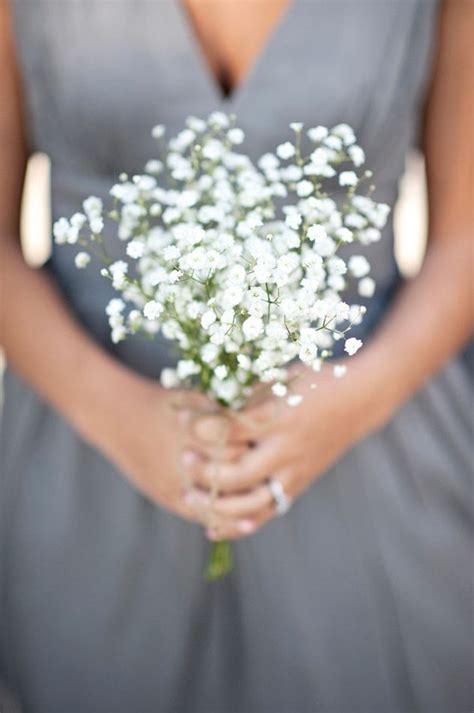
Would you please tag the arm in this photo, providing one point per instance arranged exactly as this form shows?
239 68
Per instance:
51 351
428 323
436 309
38 335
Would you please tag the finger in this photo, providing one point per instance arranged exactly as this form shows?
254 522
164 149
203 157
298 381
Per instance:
254 421
236 529
194 464
230 529
255 466
227 453
229 426
198 509
245 505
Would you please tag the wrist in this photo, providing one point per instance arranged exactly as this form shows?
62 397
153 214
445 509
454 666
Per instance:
105 394
380 390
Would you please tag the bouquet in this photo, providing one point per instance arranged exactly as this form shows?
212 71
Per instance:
237 263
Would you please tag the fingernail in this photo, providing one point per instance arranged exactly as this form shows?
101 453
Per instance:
188 458
246 526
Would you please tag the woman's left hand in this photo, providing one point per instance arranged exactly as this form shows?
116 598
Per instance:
293 444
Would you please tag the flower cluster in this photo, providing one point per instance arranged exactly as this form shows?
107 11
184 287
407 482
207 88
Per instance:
237 263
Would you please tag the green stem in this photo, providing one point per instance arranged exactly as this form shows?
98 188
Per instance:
220 560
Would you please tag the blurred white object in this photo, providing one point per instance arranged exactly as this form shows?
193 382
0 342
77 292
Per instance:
35 224
411 217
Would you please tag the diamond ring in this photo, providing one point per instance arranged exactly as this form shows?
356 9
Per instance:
281 501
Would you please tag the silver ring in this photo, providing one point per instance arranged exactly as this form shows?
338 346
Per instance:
281 501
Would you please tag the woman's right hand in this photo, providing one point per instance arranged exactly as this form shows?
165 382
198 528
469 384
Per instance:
146 436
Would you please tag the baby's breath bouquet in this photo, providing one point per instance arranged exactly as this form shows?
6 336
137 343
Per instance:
236 262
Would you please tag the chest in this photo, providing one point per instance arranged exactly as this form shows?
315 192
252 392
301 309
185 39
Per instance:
232 33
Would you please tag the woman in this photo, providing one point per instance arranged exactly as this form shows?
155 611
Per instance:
358 598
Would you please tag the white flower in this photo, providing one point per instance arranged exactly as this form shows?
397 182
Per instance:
136 248
226 390
154 166
324 246
236 136
333 142
219 119
208 318
244 362
286 150
348 178
252 327
215 260
221 372
291 173
213 150
352 345
345 132
359 265
118 270
169 378
152 310
93 207
237 262
195 124
114 307
237 274
81 260
304 188
316 231
356 154
171 253
366 287
119 333
339 370
294 400
78 220
320 156
288 262
96 224
135 319
268 162
308 353
186 368
293 220
344 235
336 266
279 389
61 231
232 296
158 131
317 134
342 311
354 220
209 353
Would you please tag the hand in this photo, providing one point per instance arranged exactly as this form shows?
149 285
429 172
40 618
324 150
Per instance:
295 445
145 434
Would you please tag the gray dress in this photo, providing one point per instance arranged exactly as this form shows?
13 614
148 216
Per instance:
358 600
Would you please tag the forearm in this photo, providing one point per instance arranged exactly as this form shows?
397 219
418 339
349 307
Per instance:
430 320
49 349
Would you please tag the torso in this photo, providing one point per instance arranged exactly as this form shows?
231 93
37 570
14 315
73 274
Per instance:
232 34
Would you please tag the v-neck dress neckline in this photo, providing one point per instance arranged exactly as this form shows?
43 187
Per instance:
203 68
